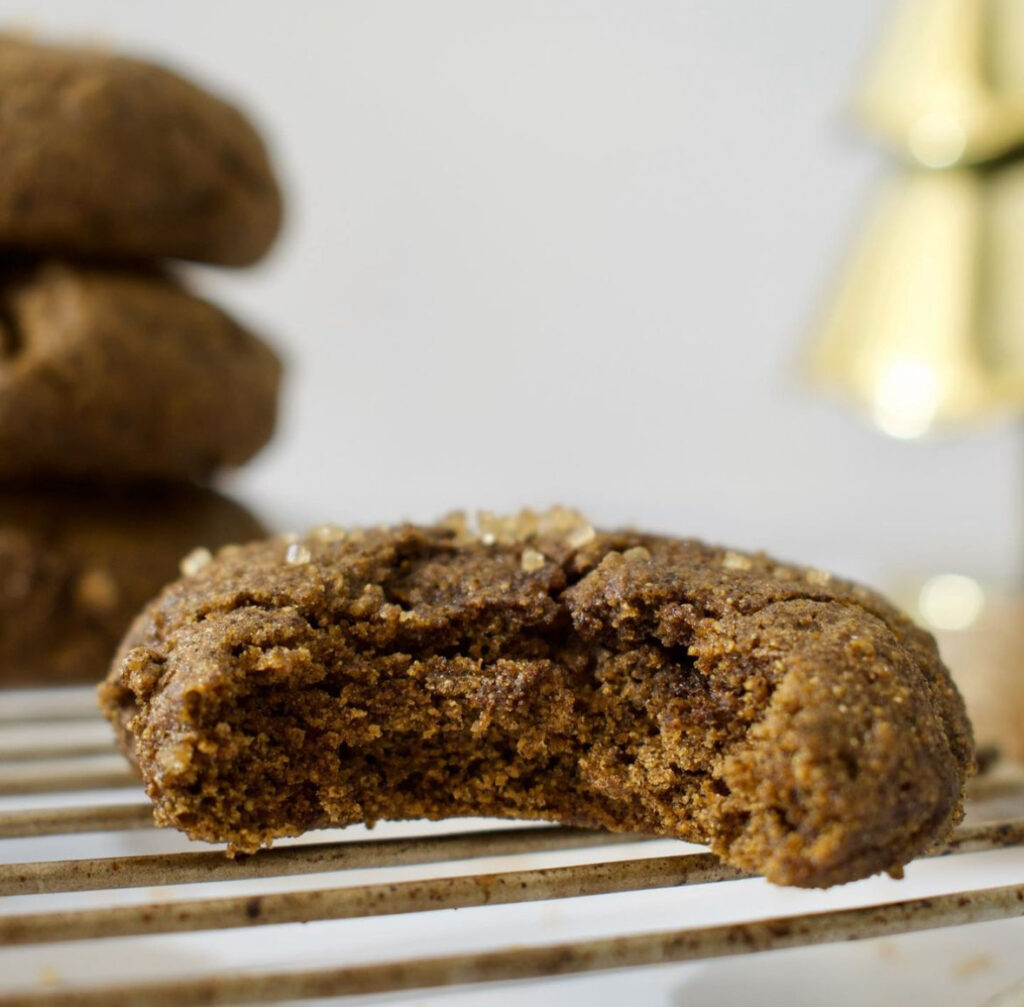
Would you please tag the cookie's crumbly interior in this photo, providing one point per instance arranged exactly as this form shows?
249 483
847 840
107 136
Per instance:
537 669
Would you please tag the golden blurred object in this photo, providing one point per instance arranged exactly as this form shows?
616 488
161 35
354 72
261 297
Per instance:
927 327
981 636
928 324
947 86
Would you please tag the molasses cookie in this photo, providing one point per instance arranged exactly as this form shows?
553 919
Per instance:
535 668
116 374
76 566
105 155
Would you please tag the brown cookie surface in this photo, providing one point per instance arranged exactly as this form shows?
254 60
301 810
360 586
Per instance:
116 374
537 669
105 155
76 566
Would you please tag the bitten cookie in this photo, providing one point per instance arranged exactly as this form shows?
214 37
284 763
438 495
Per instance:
538 669
120 374
105 155
76 566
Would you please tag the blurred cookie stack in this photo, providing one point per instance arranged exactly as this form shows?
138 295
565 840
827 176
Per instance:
120 391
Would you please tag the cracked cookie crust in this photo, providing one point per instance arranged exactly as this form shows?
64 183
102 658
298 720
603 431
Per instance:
535 668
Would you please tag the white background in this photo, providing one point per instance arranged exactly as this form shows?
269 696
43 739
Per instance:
556 251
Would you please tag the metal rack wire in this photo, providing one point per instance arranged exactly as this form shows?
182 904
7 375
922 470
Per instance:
87 761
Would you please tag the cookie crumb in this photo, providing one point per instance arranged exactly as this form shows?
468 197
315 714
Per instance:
972 965
49 976
195 561
531 560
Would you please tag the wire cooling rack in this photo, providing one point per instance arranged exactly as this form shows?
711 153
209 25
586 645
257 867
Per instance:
54 748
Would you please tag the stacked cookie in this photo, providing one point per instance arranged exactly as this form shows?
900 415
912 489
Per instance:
119 389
